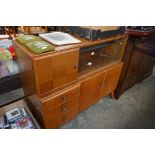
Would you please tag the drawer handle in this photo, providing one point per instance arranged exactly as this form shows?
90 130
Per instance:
64 98
64 109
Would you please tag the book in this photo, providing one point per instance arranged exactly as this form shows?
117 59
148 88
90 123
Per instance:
59 38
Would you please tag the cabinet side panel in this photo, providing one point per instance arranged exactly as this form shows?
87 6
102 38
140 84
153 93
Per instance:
27 75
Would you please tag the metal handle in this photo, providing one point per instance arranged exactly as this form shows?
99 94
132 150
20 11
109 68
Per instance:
64 98
64 109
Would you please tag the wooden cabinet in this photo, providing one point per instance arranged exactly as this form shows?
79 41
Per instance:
62 106
71 78
138 62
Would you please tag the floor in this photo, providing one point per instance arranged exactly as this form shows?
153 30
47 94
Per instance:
135 109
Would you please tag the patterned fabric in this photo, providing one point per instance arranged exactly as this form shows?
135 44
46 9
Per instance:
35 44
39 46
24 39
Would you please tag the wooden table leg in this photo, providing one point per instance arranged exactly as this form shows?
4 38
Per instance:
113 96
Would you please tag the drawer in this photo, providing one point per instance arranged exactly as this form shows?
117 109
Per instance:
61 98
61 110
62 119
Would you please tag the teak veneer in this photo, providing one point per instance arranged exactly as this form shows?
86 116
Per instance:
57 90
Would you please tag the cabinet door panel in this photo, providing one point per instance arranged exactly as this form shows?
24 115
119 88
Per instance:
90 91
135 64
56 70
111 80
146 67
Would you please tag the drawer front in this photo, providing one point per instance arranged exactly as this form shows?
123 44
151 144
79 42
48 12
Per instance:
62 119
61 98
61 110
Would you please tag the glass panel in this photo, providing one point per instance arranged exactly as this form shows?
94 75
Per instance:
101 55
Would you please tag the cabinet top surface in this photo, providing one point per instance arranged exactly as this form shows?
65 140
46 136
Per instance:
84 43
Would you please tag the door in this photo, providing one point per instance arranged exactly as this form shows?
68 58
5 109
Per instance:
90 91
111 80
146 67
133 70
56 69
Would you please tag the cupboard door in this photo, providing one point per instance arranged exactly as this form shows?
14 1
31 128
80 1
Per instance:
111 80
146 67
133 69
55 70
134 66
90 91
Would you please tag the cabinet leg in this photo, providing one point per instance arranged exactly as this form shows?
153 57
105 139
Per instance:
112 95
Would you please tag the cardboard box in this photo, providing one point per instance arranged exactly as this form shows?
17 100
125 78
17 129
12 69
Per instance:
19 104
